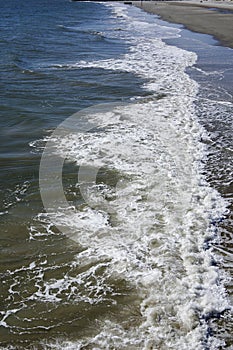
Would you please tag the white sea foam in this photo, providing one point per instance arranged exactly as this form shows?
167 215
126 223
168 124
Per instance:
153 231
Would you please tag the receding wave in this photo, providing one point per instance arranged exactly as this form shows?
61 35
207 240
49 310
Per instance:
154 228
128 263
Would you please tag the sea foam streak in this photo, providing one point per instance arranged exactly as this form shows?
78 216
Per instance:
155 229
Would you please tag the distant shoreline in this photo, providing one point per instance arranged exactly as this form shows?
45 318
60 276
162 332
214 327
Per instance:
209 17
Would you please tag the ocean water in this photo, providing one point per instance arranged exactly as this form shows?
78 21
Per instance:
116 179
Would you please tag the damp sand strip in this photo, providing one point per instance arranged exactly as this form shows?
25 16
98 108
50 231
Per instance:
208 17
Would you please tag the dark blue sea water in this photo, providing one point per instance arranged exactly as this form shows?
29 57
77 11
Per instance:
115 182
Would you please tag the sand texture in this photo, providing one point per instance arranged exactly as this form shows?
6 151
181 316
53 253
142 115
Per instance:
207 17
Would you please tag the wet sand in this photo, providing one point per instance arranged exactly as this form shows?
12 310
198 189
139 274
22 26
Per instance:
208 17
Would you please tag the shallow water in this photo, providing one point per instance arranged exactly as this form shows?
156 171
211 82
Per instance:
131 247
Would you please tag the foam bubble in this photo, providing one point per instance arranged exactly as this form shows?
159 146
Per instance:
153 228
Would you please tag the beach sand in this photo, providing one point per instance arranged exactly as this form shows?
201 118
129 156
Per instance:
207 16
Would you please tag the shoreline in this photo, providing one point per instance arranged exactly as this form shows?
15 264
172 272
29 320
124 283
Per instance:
209 17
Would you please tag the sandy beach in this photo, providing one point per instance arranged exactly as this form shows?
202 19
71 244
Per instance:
208 17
